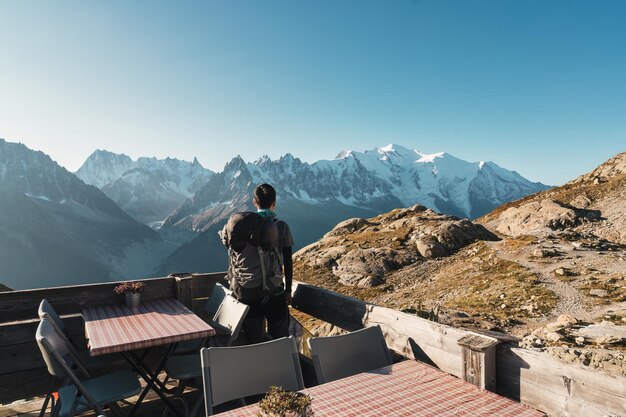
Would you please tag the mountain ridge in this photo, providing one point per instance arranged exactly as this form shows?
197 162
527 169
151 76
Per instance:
312 198
149 189
439 181
55 229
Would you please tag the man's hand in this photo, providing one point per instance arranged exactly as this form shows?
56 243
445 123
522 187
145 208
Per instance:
288 297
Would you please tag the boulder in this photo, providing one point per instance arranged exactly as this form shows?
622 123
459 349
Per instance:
456 234
430 248
567 320
348 226
449 236
367 267
541 216
554 336
564 272
603 333
326 257
546 253
598 292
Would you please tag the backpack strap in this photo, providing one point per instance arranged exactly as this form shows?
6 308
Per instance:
266 291
260 251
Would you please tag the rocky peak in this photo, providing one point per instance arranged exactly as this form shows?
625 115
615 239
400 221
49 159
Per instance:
594 203
237 163
614 167
344 154
103 167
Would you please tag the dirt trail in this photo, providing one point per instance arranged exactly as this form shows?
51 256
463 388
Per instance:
570 300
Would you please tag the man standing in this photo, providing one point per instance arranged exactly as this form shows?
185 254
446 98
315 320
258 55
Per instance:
269 255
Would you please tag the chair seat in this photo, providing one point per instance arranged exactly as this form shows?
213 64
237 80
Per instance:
95 362
105 389
184 367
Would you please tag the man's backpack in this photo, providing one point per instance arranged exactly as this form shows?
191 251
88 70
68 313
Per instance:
255 269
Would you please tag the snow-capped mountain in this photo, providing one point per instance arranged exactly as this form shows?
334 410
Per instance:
388 176
315 197
148 189
55 229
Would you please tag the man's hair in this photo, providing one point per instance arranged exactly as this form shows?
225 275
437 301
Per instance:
265 195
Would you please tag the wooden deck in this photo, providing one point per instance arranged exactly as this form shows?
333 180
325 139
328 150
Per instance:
151 406
489 361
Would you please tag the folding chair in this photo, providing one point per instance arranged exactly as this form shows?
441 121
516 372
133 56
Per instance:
349 354
211 307
82 394
227 322
86 362
230 373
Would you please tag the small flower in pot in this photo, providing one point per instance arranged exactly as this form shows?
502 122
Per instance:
280 403
132 290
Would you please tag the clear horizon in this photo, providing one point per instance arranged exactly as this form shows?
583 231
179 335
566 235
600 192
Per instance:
535 87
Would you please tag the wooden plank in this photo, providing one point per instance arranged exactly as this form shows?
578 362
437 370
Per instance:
22 357
184 290
203 283
340 310
408 335
558 387
23 305
24 331
26 356
25 384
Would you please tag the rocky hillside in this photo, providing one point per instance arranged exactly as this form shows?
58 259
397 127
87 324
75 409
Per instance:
421 261
549 268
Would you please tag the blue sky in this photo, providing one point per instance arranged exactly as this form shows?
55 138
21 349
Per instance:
536 86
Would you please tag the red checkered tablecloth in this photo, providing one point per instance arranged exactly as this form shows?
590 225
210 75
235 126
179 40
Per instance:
117 328
407 388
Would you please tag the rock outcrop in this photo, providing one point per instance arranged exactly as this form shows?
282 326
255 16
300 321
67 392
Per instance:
541 216
361 252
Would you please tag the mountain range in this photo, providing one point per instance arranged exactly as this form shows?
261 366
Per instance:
312 198
148 189
93 224
55 229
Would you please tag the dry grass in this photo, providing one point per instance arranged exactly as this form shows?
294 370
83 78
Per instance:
613 284
520 242
484 285
472 281
370 237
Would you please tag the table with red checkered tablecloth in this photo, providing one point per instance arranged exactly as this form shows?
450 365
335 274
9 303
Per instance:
407 388
118 328
133 331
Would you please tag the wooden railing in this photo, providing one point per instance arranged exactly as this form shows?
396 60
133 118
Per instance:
533 378
22 370
491 361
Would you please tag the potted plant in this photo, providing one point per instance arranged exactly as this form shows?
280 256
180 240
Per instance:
132 290
280 403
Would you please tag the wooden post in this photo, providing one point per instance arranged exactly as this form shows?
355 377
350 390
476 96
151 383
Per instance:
184 290
479 360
